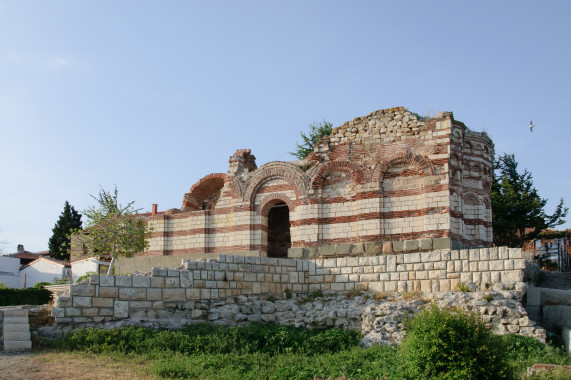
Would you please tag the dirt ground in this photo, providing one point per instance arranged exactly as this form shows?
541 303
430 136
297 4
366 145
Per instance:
50 365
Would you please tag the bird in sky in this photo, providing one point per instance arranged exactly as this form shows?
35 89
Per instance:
531 126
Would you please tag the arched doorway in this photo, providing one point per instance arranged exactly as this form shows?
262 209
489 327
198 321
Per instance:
279 237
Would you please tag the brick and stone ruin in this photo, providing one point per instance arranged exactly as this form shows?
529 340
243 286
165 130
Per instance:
389 213
386 182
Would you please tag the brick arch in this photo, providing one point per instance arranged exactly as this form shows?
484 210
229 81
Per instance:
205 187
357 173
276 170
422 164
271 200
471 199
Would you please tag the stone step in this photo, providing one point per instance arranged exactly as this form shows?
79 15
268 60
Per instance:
17 345
15 320
16 313
15 336
16 328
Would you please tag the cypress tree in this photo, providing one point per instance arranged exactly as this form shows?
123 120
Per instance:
69 221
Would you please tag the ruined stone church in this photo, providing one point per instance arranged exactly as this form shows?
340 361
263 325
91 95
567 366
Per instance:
387 182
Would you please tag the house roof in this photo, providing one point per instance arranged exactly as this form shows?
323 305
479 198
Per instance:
54 261
25 255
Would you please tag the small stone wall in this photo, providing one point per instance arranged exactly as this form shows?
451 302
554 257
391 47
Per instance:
166 291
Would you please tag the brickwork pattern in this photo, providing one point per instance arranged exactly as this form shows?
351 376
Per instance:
386 177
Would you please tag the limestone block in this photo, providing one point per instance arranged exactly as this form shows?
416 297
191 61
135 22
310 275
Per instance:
358 249
141 282
121 309
161 272
387 247
411 245
373 248
173 273
124 281
398 246
343 249
82 290
90 312
94 279
58 312
328 250
63 301
132 294
426 244
186 278
295 252
102 302
441 243
106 281
176 295
310 252
497 265
81 301
109 292
514 253
72 312
391 263
172 282
494 254
140 304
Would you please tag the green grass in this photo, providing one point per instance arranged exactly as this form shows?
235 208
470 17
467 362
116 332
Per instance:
266 351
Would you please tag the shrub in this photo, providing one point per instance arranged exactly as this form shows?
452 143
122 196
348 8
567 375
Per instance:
28 296
452 344
41 285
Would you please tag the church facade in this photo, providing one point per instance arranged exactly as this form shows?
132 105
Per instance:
387 182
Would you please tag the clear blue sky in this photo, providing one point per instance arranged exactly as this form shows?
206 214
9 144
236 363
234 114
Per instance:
154 95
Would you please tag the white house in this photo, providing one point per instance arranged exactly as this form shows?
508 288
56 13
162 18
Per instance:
82 267
9 271
43 269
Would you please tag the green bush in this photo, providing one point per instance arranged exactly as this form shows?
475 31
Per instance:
28 296
452 344
41 285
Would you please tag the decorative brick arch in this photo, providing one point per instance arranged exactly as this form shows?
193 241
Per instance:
207 186
276 170
422 164
235 188
471 199
271 200
357 173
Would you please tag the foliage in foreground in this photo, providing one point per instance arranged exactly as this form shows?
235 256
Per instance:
452 344
272 352
209 339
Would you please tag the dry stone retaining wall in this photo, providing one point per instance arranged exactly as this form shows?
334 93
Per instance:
167 291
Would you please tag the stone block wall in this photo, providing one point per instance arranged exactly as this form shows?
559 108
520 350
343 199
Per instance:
108 298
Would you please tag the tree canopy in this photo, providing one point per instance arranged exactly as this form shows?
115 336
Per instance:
68 222
518 213
113 229
316 131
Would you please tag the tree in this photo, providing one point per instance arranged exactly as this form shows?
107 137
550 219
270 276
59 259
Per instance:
517 209
68 222
316 131
113 230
